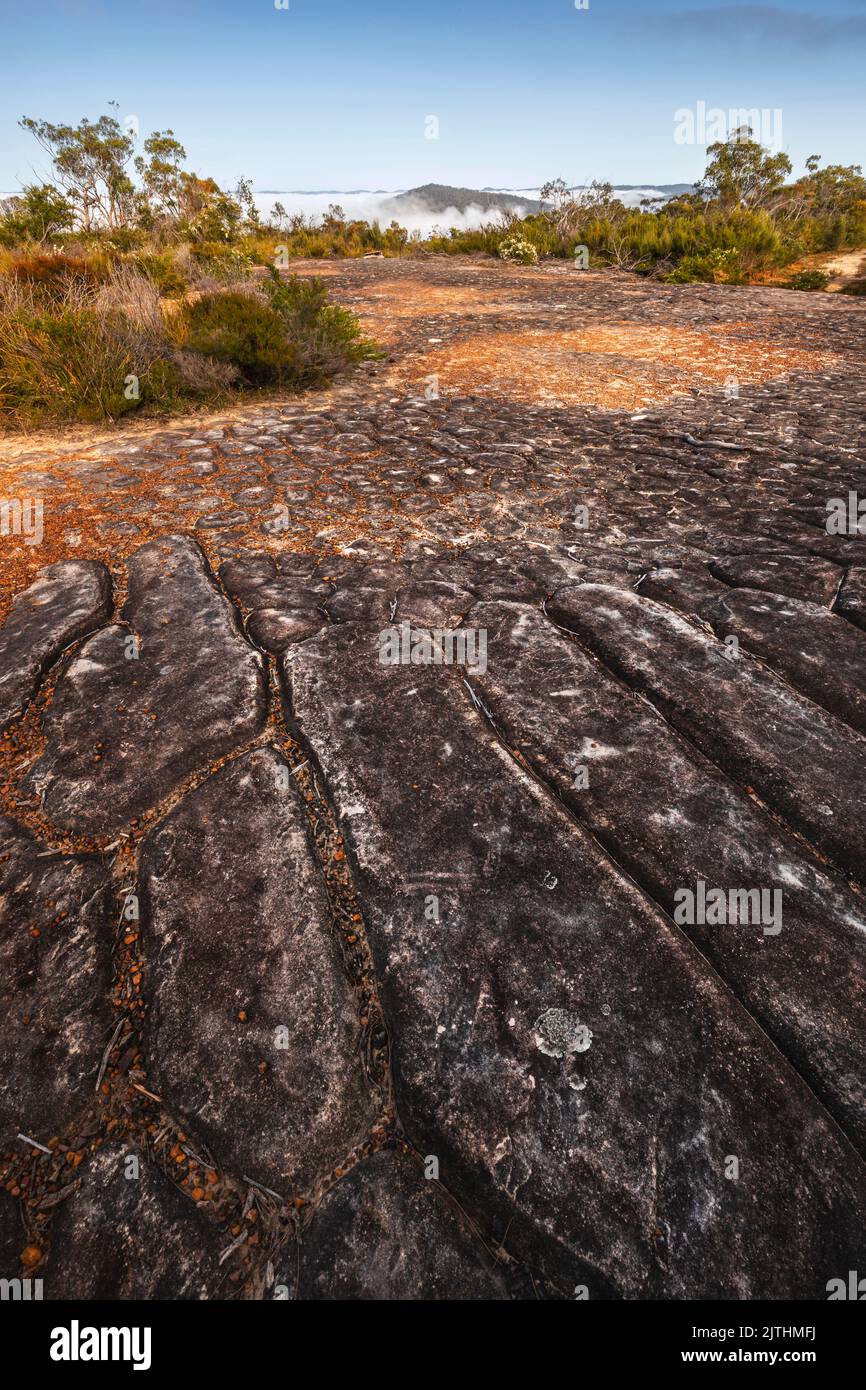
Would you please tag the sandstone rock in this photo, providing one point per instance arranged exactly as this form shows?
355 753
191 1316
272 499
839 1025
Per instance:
851 602
253 1030
795 575
128 1237
384 1232
670 819
804 763
691 591
820 655
433 605
63 604
561 1048
56 933
276 629
123 732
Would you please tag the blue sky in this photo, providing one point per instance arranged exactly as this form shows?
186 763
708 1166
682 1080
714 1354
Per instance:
335 93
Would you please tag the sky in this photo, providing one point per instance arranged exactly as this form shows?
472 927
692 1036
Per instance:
390 94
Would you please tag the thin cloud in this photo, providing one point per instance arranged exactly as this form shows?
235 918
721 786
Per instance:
739 27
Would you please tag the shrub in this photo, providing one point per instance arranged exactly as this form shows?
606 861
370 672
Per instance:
327 335
721 267
518 250
245 331
62 362
54 273
167 271
809 280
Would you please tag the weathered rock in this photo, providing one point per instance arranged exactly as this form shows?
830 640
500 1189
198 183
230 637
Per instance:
818 653
689 590
276 629
795 575
64 603
122 732
56 934
253 1031
384 1232
433 605
804 763
851 602
561 1048
129 1233
247 573
671 819
358 604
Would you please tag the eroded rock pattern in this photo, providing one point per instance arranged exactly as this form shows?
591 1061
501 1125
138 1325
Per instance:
122 730
488 911
67 601
56 929
237 918
329 919
130 1234
386 1232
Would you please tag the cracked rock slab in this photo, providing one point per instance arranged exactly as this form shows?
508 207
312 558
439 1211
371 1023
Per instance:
385 1232
488 909
819 653
670 818
139 707
253 1031
804 763
129 1233
798 576
63 604
56 933
851 602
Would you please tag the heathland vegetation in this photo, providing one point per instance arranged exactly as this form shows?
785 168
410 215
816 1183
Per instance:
128 281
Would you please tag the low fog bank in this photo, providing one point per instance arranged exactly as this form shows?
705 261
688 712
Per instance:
414 215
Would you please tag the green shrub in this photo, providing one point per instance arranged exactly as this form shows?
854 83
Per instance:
284 334
165 272
809 280
240 329
327 335
721 267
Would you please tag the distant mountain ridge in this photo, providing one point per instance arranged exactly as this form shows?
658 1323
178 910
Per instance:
439 197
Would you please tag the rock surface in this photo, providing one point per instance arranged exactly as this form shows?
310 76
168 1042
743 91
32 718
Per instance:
808 766
253 1032
128 1233
618 1100
140 706
515 965
670 818
67 601
56 933
387 1233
